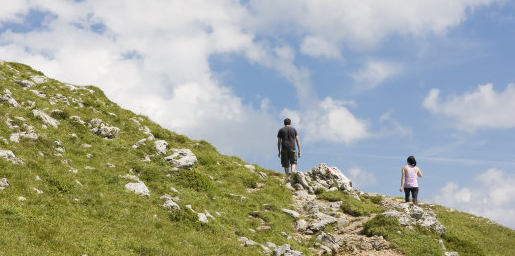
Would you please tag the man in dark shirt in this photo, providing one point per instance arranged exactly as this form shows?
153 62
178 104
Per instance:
286 138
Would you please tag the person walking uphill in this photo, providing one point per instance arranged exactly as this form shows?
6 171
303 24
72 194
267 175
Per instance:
409 179
286 139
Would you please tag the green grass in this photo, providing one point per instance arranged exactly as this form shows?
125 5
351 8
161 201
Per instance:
102 218
416 243
470 235
351 205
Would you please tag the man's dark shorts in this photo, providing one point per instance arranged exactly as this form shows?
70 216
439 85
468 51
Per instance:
288 156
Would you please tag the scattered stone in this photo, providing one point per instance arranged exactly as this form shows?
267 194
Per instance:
38 178
4 183
9 155
174 190
77 119
8 97
182 158
39 79
294 214
38 93
21 198
37 191
26 83
78 182
409 214
250 167
139 143
202 217
101 129
452 254
86 145
262 174
161 146
270 245
48 120
130 177
110 165
138 187
169 203
286 250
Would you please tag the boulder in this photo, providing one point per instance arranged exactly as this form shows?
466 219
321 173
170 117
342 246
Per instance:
286 250
4 183
8 97
138 187
292 213
182 158
161 146
9 155
101 129
48 120
409 214
321 176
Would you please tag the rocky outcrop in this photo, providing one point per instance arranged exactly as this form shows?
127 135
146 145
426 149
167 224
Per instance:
102 129
182 158
161 146
9 155
321 177
8 97
286 250
47 120
409 214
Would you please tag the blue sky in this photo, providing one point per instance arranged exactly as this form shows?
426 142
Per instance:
366 83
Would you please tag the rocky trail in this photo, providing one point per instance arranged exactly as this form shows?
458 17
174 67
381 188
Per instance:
338 233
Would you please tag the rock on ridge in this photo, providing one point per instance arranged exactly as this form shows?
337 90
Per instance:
48 120
322 176
101 129
9 155
408 214
182 158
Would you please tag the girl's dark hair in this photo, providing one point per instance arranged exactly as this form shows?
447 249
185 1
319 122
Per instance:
412 161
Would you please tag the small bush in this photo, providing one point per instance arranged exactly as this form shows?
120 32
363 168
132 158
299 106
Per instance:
381 225
195 180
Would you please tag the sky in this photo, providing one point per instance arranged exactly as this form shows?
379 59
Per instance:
366 83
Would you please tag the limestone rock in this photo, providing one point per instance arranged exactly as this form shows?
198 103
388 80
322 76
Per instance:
8 97
26 83
9 155
286 250
48 120
408 214
4 183
452 254
169 203
161 146
138 187
321 176
39 79
103 129
182 158
292 213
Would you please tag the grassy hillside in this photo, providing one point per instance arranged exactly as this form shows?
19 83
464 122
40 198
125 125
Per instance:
68 197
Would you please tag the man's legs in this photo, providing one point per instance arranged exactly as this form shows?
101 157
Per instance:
287 171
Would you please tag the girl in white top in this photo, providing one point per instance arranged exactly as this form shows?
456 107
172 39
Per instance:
409 179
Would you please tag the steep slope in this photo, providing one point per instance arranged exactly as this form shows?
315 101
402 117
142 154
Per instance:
81 176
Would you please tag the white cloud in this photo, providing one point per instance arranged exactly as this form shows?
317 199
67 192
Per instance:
374 73
329 121
490 196
394 127
318 47
153 57
362 178
483 108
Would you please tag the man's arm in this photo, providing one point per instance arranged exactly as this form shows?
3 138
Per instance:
279 146
298 144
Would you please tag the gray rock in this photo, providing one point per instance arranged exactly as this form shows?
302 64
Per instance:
292 213
4 182
321 220
286 250
250 167
270 245
8 97
48 120
101 129
39 79
452 254
262 174
139 143
138 187
26 83
301 225
322 177
161 146
9 155
182 158
15 137
202 217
